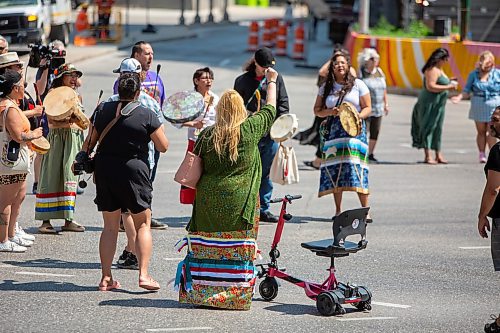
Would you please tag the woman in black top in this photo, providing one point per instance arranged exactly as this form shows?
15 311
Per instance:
122 174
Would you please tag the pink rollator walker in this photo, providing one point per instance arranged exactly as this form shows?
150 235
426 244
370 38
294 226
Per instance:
331 294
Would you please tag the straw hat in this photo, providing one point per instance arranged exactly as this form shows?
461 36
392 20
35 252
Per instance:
9 59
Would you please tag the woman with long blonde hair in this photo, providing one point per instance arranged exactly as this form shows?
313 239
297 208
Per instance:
224 224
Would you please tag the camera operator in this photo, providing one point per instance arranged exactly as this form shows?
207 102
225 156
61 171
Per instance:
45 74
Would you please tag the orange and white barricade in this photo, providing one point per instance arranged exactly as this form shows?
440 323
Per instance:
298 46
253 36
83 35
281 47
267 34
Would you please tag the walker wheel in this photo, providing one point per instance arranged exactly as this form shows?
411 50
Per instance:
268 289
326 304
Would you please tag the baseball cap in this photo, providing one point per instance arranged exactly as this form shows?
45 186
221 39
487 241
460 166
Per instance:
264 57
130 65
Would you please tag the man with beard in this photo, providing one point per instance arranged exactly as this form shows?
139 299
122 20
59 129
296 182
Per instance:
151 84
490 204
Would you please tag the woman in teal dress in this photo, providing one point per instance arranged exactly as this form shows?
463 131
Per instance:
218 270
428 113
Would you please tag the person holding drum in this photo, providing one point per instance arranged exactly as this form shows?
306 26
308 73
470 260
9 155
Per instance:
124 128
345 157
16 134
250 86
66 139
202 80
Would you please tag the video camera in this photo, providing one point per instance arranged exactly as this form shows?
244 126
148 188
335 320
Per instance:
38 52
83 164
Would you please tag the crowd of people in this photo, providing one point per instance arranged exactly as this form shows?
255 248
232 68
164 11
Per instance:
232 138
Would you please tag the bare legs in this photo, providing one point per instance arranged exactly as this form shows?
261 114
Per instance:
143 243
483 137
337 197
11 198
128 224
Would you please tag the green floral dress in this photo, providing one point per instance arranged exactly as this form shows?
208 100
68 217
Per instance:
218 270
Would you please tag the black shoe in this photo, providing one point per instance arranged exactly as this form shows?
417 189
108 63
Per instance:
372 158
127 260
268 217
123 257
155 224
493 327
311 165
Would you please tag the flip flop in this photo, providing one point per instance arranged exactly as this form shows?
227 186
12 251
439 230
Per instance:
47 228
149 284
114 285
74 227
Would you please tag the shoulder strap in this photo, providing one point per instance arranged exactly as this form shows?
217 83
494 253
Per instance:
110 124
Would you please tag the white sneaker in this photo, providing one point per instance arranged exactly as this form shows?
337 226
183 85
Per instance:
20 241
9 246
21 233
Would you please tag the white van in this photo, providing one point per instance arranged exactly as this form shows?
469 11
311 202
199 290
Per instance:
35 21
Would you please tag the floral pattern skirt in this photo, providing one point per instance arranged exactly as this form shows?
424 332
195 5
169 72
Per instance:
218 270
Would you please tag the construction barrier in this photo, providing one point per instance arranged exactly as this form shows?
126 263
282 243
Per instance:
281 47
267 33
112 33
402 59
298 45
253 36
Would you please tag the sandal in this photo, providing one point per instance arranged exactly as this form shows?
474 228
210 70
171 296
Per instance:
109 287
47 228
73 226
430 161
311 165
148 284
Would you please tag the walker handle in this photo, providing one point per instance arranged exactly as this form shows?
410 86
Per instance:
288 197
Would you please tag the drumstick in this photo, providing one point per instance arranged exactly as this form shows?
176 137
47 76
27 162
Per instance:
158 67
39 102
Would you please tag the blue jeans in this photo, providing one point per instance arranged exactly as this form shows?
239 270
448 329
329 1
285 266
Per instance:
268 149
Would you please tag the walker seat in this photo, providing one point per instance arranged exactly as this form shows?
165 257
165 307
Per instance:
348 223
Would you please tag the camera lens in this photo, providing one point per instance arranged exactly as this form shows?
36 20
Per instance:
82 184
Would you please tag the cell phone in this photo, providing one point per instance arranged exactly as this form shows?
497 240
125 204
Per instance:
13 150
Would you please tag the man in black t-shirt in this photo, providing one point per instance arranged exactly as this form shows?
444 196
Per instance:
490 204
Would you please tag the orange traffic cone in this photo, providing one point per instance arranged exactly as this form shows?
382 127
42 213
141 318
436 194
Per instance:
281 40
267 35
84 36
253 36
298 46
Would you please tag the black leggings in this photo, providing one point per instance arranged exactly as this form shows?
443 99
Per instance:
373 124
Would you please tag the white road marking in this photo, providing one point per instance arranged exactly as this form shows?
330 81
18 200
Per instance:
44 274
474 247
367 318
173 259
224 62
392 305
178 329
6 266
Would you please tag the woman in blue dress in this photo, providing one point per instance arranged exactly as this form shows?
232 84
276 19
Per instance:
345 158
483 89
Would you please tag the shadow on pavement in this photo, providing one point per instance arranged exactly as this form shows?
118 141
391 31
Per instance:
50 286
146 303
175 222
54 263
307 219
301 309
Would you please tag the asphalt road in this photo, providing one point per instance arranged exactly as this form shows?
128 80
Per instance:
425 264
